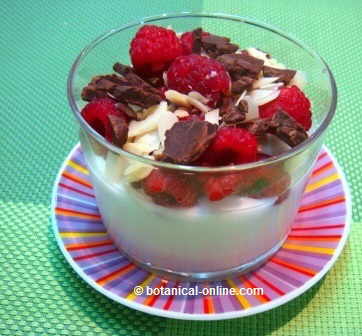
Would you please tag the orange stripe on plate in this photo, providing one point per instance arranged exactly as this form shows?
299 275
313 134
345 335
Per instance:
314 249
322 204
150 300
170 298
208 305
322 169
73 247
115 274
77 179
245 304
78 214
300 269
319 227
261 297
273 287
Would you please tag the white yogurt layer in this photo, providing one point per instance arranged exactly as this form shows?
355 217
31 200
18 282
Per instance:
209 237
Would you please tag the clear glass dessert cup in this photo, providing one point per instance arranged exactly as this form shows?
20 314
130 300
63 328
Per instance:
210 239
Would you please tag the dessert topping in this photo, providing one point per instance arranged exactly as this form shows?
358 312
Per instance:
187 140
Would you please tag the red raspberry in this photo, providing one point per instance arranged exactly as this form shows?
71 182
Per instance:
187 41
169 189
218 187
96 114
153 49
231 145
294 102
198 73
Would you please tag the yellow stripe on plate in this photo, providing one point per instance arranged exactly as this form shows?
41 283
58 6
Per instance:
78 167
131 296
322 182
243 301
322 250
81 234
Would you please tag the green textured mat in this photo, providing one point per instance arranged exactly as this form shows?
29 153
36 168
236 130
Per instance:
39 292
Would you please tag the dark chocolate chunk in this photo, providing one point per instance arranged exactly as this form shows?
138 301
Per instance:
119 130
242 84
187 140
196 41
128 73
287 128
258 127
127 89
134 95
281 125
215 46
284 75
232 114
239 65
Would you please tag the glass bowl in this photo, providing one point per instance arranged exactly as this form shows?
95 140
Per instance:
208 239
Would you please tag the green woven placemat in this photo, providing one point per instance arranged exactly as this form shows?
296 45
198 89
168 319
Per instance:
39 292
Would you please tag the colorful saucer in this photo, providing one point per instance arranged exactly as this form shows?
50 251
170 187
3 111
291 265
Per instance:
314 244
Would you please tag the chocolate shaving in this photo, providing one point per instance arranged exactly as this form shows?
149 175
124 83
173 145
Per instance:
258 127
212 45
119 130
239 65
284 75
281 125
231 114
287 128
242 84
196 41
187 140
128 89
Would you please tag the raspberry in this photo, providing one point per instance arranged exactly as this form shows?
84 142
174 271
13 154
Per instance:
218 187
96 114
187 40
198 73
153 49
294 102
169 189
231 145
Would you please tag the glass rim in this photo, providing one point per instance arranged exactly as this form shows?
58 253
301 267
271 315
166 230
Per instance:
267 161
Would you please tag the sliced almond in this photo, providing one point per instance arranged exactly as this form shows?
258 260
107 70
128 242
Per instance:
151 139
253 110
181 113
262 81
149 124
198 96
137 171
137 148
213 117
262 97
167 121
177 98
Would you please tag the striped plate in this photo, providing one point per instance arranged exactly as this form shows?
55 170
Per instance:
317 238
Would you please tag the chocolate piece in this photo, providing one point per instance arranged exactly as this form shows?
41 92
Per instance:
242 84
122 90
258 127
215 46
134 95
187 140
281 125
284 75
128 89
287 128
119 130
239 65
196 41
231 114
128 73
